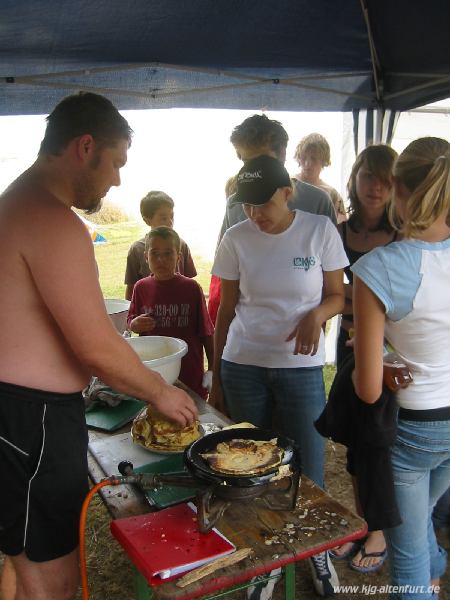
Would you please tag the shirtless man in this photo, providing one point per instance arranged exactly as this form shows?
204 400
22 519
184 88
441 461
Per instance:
54 334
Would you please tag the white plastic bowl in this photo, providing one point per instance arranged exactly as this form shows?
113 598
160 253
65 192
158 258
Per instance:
117 310
161 354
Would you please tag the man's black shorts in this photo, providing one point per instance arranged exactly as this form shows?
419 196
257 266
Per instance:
43 470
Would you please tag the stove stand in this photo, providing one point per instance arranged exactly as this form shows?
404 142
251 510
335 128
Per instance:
213 501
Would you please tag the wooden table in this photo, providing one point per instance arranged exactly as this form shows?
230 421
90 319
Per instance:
278 538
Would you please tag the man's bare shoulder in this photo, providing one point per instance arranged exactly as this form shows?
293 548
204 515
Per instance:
31 209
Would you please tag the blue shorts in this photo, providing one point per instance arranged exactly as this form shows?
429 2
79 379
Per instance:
43 469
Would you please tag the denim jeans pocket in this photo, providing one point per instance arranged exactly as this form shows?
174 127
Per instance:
429 436
422 444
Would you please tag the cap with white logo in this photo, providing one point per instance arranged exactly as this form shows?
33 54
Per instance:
258 180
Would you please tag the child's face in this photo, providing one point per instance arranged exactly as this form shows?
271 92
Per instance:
162 216
162 258
311 165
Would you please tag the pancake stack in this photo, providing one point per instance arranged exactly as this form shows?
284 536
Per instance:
154 432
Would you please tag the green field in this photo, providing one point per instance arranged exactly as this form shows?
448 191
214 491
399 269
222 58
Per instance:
112 257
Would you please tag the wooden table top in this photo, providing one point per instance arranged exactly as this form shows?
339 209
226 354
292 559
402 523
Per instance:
277 537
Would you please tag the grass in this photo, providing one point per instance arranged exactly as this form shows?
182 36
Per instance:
112 257
328 376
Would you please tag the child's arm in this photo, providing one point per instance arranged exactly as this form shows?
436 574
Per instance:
142 324
131 271
186 262
228 301
129 291
369 317
138 321
208 345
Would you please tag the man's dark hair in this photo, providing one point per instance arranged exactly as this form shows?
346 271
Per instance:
259 130
80 114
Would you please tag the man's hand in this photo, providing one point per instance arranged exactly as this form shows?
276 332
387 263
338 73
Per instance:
176 405
142 324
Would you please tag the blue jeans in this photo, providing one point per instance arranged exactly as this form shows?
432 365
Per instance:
441 513
421 467
296 397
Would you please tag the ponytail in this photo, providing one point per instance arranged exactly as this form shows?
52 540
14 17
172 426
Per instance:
424 168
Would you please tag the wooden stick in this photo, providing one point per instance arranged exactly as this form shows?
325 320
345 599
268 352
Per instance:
219 563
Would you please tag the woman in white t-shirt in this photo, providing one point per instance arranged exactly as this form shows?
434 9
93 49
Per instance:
281 273
402 292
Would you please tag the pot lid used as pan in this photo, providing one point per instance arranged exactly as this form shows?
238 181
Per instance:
200 468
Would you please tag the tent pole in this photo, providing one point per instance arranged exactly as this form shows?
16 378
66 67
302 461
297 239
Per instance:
419 87
373 52
156 94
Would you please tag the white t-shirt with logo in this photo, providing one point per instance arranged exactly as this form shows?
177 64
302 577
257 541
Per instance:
280 280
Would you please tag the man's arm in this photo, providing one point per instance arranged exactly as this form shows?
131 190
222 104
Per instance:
67 281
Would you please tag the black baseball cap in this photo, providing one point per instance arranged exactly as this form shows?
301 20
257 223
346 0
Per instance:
259 179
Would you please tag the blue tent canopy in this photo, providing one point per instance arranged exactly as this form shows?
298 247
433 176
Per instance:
249 54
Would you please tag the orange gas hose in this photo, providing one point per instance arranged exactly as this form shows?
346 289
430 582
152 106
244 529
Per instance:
83 516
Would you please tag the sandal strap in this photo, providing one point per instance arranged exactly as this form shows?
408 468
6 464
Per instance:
365 554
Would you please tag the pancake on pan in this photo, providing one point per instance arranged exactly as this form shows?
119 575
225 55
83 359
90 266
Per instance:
244 457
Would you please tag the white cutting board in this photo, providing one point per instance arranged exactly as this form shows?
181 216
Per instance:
110 451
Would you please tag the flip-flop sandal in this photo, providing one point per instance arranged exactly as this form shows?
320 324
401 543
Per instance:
356 545
372 568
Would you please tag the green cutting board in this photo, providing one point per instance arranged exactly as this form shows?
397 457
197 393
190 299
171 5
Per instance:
167 495
110 418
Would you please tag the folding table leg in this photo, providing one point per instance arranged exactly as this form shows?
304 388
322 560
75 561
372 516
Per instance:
142 589
144 592
289 581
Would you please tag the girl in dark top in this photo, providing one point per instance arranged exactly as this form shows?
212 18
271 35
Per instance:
369 192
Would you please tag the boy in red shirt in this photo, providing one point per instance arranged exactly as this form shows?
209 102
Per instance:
156 210
167 303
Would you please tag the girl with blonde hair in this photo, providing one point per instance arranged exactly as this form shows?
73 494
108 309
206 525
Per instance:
402 293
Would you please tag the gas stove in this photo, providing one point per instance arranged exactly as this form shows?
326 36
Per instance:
212 501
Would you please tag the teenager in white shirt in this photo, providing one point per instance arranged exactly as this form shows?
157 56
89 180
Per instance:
281 273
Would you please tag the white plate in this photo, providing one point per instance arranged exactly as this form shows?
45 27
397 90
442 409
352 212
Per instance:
160 449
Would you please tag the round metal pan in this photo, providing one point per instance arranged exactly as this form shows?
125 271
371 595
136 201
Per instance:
199 467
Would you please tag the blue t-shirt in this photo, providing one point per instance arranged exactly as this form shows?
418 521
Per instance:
412 280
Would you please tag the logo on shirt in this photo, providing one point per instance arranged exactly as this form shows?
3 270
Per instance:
304 262
168 315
